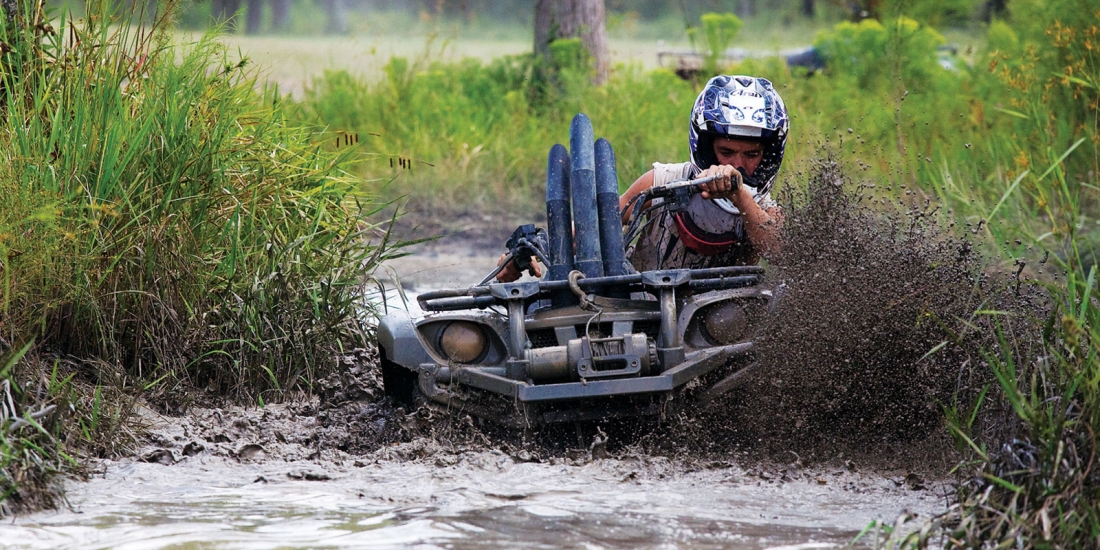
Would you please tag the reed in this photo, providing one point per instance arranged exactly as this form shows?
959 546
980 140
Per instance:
165 230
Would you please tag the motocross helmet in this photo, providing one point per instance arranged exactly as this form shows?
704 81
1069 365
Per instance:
740 107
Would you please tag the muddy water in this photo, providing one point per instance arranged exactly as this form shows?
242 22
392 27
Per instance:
484 499
248 490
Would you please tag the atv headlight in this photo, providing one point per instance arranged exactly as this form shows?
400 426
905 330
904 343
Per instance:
463 342
726 322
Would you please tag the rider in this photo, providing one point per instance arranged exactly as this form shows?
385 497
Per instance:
738 132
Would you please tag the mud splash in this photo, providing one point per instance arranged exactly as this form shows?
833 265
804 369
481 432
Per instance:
875 333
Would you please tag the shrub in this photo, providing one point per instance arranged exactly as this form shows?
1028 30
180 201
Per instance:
164 227
479 133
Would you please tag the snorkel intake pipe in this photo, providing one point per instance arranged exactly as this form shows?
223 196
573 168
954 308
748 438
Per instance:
582 180
607 204
559 222
582 212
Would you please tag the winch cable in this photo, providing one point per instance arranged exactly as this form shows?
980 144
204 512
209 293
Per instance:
586 303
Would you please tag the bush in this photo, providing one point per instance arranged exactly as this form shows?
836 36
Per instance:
717 35
478 134
164 227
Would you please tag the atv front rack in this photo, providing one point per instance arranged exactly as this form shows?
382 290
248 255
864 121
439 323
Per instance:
698 280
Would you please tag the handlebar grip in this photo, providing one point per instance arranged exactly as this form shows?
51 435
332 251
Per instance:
670 187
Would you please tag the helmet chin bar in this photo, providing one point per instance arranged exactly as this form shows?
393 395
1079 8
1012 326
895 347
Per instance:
749 180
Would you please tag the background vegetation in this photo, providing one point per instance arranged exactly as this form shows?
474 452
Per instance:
163 229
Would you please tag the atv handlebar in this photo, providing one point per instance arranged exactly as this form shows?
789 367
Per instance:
670 188
675 195
528 241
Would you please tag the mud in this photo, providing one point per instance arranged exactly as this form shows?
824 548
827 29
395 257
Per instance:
875 333
237 478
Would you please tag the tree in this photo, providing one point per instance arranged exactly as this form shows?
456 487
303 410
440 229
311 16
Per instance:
746 9
584 19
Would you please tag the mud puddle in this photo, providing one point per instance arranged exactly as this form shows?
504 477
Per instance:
472 499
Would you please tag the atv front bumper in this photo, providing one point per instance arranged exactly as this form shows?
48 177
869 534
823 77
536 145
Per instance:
520 363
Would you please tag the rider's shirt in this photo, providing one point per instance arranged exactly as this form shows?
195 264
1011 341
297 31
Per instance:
660 247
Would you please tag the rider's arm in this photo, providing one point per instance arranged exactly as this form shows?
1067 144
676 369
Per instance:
713 190
640 185
762 226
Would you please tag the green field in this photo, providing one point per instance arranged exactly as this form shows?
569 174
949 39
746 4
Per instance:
291 62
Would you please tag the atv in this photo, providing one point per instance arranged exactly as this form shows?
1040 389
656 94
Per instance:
593 339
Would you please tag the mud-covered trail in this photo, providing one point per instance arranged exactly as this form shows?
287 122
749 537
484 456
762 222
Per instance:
293 476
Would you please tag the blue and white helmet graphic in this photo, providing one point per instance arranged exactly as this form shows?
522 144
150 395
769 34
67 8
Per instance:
742 107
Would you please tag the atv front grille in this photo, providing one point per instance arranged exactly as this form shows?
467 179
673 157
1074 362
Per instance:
542 338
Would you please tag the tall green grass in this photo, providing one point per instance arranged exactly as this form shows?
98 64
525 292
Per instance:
1038 482
478 132
165 229
1042 485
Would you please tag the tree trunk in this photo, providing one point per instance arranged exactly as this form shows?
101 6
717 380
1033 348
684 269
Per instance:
746 9
280 14
336 15
808 8
254 17
994 8
543 20
866 9
225 11
585 19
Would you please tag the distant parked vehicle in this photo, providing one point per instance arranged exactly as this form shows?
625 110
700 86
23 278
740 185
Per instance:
687 64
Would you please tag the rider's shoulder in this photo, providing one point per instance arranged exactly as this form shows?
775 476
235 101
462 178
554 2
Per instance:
666 173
